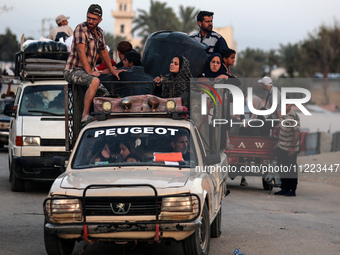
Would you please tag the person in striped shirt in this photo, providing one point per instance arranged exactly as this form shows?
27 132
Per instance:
288 148
214 41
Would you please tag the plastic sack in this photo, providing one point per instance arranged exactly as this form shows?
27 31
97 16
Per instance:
161 47
46 49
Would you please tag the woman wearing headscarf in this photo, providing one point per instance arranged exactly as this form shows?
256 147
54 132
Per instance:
179 74
214 68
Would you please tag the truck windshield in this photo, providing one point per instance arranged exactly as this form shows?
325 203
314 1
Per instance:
135 145
45 100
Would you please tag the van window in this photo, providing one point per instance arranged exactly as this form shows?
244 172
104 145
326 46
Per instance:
45 100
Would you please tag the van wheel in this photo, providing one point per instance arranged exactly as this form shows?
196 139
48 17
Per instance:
199 242
266 185
17 185
215 230
57 246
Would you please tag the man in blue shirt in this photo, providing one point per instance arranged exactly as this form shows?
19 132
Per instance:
214 41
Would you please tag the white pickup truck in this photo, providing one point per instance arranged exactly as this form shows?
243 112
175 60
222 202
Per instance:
162 190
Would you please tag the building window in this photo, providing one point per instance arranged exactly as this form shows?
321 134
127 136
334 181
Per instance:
124 7
120 7
122 29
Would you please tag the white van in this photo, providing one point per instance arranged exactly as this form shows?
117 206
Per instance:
37 132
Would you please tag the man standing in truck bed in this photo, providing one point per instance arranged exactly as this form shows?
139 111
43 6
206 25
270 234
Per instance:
88 42
214 41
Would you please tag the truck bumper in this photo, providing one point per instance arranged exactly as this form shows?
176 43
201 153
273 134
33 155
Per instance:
4 137
125 232
35 168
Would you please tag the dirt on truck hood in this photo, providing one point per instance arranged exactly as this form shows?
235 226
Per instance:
158 178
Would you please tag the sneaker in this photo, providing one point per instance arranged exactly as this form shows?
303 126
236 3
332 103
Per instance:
281 192
243 182
290 193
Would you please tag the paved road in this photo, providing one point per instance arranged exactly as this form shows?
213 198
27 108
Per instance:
253 221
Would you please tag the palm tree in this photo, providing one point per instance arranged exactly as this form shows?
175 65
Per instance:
187 19
159 17
251 62
321 51
291 58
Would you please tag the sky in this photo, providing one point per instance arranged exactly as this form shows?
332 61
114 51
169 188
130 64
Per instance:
263 24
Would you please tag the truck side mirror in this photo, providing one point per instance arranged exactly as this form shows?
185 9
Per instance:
8 110
59 161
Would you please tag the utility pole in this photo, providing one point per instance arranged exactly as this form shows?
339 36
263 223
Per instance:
43 29
5 9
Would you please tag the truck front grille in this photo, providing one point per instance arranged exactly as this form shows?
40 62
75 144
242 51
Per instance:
118 206
52 142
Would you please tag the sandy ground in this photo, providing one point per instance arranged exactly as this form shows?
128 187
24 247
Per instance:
326 177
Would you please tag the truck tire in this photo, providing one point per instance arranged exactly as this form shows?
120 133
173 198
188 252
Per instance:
199 242
266 185
215 229
57 246
17 185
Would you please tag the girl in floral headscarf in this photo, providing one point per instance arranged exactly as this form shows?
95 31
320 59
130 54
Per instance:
180 76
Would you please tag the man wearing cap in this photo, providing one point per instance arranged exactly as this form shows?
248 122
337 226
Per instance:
88 42
267 85
63 30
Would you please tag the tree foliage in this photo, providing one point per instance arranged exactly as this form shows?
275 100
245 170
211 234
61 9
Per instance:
161 17
9 46
251 63
291 59
187 17
321 50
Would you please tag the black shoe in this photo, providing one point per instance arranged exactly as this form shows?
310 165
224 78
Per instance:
290 193
281 192
243 182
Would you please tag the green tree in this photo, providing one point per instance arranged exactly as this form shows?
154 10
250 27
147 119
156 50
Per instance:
251 63
112 41
321 50
321 53
273 60
291 58
9 46
159 17
187 17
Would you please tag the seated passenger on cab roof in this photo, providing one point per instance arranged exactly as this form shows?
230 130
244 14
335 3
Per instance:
214 68
132 59
180 75
217 71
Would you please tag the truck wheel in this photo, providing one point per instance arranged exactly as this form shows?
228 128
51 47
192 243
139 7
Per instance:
266 185
17 185
199 242
215 229
57 246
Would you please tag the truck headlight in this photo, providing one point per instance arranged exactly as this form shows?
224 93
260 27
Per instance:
63 210
31 141
107 105
179 208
